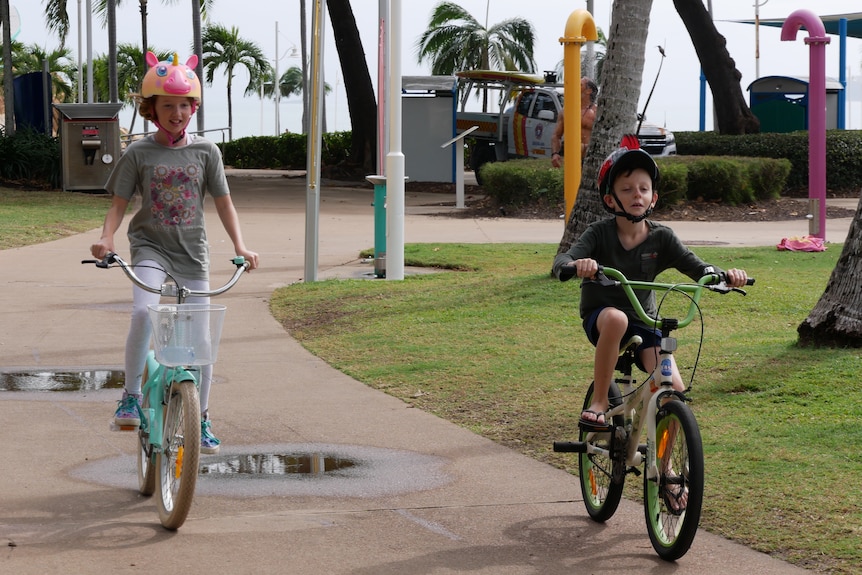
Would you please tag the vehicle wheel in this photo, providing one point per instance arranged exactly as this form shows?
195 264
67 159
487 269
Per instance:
671 519
177 464
601 476
146 459
481 154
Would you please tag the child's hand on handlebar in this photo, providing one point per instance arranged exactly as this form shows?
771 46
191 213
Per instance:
586 267
736 278
251 257
102 248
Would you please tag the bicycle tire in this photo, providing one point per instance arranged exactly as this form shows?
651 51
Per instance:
146 458
671 529
602 478
177 463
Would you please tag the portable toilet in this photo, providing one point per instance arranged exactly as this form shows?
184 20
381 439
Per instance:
428 112
781 103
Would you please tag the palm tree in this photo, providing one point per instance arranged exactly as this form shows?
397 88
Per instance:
357 81
455 40
290 84
617 107
223 47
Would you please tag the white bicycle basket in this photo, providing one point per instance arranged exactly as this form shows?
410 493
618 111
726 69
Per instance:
186 334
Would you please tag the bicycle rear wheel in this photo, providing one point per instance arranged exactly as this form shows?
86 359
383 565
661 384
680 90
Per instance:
177 463
673 501
602 476
146 458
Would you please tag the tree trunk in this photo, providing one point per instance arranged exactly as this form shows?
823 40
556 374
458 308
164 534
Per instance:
836 320
732 114
617 108
357 82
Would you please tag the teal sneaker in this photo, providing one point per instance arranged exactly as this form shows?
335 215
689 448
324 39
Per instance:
128 412
209 442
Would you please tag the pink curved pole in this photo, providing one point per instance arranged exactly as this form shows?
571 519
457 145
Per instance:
816 108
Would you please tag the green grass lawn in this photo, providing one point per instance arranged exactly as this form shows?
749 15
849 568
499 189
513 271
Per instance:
29 217
497 347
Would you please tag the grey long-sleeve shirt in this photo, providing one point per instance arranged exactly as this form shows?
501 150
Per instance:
661 250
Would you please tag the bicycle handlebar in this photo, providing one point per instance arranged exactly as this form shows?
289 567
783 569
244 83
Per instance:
610 277
170 289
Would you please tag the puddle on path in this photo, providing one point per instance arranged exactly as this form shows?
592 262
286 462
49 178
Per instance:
84 380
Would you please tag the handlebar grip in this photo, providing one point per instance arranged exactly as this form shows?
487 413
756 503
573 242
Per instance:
567 273
749 282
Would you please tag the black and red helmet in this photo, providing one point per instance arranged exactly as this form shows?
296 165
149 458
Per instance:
629 156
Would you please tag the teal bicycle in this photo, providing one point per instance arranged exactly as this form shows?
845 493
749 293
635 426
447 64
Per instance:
185 337
672 457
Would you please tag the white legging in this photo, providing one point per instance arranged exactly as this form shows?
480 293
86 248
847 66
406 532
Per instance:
138 341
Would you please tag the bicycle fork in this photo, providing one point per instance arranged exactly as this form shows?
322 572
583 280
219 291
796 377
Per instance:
156 388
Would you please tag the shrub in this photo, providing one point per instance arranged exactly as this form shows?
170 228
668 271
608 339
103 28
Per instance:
843 148
30 158
523 182
287 151
732 180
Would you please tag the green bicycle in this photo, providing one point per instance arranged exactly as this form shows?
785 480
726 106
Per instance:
672 457
185 337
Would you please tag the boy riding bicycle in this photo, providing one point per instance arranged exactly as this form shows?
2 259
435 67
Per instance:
641 249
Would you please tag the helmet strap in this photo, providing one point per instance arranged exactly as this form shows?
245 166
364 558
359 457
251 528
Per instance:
624 214
173 140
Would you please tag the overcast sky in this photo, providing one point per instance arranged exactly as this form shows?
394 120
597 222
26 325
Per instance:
674 104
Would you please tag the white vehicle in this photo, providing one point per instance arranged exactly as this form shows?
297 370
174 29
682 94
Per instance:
525 128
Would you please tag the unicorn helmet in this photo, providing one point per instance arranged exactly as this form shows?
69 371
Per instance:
170 78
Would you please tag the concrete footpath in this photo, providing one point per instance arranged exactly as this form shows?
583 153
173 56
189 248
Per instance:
423 495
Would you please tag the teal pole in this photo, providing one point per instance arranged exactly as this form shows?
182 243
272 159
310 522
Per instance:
379 224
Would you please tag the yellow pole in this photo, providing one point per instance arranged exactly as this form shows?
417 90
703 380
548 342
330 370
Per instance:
580 28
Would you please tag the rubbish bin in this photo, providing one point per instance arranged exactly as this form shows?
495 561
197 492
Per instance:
89 144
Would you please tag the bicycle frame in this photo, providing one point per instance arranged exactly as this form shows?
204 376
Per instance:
639 407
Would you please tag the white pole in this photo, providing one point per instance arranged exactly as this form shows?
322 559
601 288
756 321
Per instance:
395 158
382 88
312 191
90 97
80 58
277 87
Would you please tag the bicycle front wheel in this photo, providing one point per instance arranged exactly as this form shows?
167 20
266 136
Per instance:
673 501
602 473
177 463
146 458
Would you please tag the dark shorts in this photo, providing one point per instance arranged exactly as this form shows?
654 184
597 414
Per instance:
651 337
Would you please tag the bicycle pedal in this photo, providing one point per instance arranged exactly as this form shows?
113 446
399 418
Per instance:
634 471
114 427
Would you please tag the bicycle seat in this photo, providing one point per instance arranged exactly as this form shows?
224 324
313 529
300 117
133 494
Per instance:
631 344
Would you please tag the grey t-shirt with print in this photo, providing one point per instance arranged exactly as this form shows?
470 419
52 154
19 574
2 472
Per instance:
169 228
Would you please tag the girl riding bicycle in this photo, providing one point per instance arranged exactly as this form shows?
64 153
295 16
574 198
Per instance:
172 170
641 249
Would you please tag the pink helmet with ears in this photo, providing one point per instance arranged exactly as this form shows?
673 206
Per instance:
170 78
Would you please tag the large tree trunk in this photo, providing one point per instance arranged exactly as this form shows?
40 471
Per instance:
617 107
357 83
732 114
836 320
